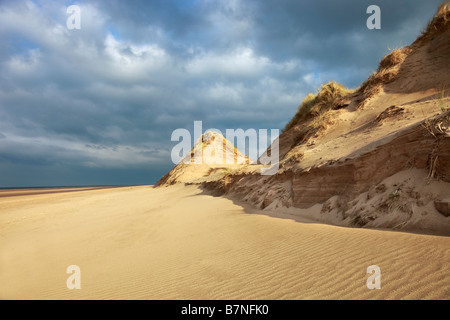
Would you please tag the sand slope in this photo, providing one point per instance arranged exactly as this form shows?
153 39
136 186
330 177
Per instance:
396 125
176 243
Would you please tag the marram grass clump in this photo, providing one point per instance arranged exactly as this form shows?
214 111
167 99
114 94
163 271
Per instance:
388 70
314 105
439 24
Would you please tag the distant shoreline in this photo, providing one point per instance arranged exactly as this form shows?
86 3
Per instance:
27 191
70 187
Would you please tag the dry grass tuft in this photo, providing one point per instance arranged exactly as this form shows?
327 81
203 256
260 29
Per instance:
387 72
314 106
437 126
328 97
390 65
439 24
393 59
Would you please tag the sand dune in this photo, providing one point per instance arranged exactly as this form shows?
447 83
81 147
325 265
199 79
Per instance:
174 243
344 147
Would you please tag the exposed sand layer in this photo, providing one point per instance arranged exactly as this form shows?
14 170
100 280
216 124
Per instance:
177 243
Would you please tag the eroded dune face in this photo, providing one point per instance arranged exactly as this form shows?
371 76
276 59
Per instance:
396 124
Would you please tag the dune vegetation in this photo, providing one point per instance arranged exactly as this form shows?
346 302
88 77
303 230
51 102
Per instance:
315 105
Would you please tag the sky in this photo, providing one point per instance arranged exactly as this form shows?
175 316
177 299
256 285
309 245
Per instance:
97 105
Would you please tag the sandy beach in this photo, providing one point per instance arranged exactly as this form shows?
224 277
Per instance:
179 243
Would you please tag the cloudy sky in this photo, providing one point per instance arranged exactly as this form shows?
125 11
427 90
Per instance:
97 105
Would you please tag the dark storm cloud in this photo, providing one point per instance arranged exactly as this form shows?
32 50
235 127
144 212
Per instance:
179 25
325 31
108 96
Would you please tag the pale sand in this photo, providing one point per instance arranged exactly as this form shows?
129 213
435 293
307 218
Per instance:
176 243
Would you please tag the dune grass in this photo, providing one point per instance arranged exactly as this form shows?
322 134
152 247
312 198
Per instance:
438 24
329 94
387 71
315 105
390 65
